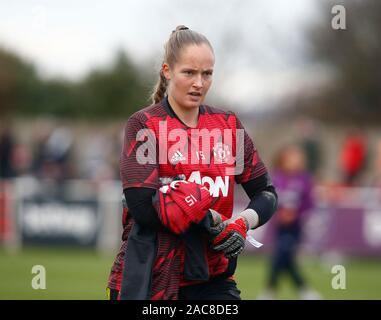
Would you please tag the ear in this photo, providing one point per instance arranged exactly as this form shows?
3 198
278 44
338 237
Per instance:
166 71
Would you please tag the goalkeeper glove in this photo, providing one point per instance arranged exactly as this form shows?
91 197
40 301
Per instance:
230 236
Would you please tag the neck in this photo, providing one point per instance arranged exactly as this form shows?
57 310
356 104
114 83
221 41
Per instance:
189 116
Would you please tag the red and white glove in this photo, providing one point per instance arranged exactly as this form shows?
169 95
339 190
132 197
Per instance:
182 203
229 237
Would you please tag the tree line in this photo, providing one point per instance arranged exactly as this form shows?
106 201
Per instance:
113 91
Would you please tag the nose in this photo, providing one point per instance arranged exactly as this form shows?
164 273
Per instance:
198 81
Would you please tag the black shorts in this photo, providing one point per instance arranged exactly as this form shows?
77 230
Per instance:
216 289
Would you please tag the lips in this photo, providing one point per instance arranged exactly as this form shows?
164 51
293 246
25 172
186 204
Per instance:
195 96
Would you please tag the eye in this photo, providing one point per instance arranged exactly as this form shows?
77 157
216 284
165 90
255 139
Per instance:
208 73
188 72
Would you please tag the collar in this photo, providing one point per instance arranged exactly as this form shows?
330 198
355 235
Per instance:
167 106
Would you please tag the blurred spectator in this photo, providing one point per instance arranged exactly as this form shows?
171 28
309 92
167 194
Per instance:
95 158
7 147
353 157
52 160
21 159
311 144
294 187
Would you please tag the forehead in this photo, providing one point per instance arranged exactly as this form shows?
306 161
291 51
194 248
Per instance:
196 56
295 152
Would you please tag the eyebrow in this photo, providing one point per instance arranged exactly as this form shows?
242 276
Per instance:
193 69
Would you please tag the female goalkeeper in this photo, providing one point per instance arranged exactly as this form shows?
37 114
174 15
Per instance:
178 167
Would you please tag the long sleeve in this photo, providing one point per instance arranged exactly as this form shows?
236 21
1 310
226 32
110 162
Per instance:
139 202
263 197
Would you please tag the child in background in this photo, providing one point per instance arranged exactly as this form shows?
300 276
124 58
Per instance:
294 186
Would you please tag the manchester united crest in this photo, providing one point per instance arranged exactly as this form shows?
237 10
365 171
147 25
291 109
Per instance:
221 153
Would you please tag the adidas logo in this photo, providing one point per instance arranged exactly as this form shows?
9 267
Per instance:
177 157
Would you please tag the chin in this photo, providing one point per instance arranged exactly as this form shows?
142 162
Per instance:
193 104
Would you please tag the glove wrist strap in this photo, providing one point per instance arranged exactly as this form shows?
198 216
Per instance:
251 218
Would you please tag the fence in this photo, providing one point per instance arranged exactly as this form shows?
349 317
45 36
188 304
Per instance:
81 213
75 213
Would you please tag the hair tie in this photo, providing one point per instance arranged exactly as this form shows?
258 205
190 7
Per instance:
180 29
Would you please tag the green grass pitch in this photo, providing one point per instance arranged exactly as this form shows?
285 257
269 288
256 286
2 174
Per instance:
82 274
